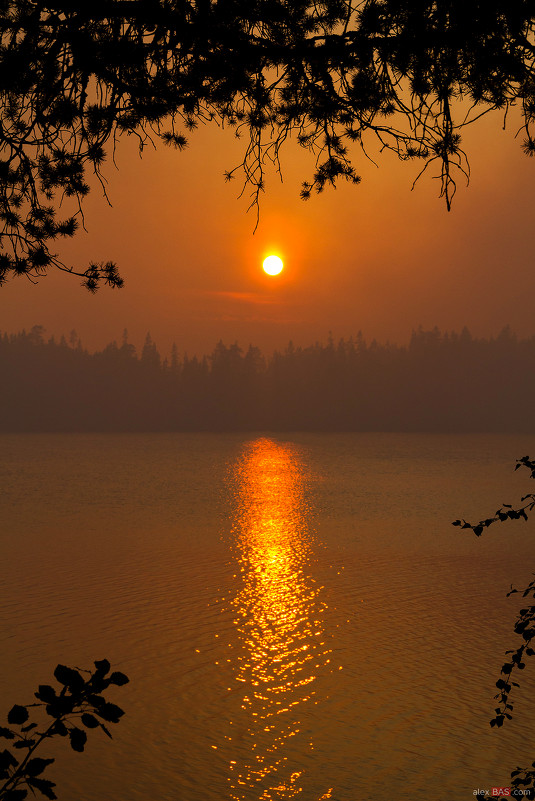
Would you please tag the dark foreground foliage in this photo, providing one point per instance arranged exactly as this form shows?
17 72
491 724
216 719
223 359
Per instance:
522 779
76 705
343 78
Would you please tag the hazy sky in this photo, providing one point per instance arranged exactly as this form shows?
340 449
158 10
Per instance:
377 257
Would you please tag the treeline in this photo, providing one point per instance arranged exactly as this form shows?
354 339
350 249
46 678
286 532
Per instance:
440 382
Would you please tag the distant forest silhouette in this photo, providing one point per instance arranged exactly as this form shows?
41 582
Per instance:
440 382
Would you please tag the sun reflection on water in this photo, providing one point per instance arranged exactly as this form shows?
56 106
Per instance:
278 612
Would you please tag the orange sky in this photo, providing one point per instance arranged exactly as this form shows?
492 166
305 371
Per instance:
377 258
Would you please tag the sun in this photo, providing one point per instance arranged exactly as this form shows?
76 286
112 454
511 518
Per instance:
272 265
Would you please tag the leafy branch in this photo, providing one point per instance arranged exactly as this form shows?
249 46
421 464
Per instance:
525 627
78 701
506 512
340 77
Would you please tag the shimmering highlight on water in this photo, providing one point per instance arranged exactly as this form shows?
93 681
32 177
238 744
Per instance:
223 572
278 619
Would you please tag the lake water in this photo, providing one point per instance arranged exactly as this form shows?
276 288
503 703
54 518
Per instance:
297 615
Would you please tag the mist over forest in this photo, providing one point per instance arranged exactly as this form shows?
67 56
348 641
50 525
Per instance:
439 382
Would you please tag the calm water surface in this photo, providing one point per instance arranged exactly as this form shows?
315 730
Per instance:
298 617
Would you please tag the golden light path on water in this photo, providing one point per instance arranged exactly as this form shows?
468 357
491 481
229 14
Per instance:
278 619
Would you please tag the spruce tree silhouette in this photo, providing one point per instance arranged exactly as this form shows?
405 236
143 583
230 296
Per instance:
350 385
78 701
407 76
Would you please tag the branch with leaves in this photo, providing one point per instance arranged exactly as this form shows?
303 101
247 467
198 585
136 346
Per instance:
506 511
76 706
343 78
521 778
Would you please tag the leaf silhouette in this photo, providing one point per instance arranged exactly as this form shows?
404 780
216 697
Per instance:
17 714
78 739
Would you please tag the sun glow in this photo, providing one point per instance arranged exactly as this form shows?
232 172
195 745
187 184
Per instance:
272 265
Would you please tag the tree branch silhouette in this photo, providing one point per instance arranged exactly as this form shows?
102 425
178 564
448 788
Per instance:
79 701
338 76
521 778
